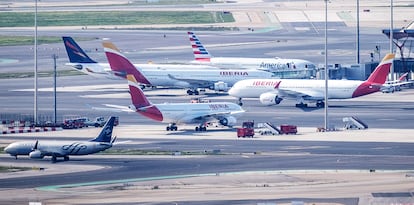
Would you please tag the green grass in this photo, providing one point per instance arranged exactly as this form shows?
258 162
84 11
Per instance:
67 18
27 40
5 169
39 74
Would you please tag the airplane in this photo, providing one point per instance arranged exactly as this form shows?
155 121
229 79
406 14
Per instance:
272 91
395 85
40 148
79 60
202 56
203 114
215 79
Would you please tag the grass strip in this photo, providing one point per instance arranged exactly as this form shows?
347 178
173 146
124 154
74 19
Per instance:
96 18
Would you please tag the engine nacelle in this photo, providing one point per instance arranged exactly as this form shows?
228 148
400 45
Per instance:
270 99
36 154
220 86
228 121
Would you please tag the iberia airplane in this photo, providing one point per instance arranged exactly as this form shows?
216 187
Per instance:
214 79
202 56
272 91
202 114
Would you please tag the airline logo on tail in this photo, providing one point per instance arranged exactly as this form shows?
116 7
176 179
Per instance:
200 53
120 65
377 78
140 102
75 53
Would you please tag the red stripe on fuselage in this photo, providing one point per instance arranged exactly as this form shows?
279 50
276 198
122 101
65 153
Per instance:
203 59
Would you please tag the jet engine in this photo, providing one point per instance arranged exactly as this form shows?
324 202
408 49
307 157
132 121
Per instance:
220 86
228 121
270 99
36 154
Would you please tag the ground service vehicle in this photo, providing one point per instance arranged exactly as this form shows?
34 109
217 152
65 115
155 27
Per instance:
247 129
288 129
98 122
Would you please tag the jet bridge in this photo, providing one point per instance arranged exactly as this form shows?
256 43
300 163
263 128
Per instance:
354 123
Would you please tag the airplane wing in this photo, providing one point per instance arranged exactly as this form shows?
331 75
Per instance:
306 94
113 108
194 82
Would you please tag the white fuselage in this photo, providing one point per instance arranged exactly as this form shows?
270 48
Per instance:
189 113
337 89
64 148
269 64
185 76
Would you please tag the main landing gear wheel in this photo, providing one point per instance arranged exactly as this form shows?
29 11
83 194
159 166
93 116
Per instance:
172 127
66 158
200 128
54 159
301 105
320 104
239 102
191 92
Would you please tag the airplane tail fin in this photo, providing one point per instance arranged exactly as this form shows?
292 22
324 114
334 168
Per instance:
106 133
403 77
379 76
137 96
141 103
75 52
120 64
200 53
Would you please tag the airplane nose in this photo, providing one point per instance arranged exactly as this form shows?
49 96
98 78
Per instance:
7 149
231 91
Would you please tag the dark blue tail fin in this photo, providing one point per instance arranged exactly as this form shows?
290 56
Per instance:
75 52
106 133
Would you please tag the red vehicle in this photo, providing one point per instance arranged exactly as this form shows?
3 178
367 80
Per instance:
288 129
247 129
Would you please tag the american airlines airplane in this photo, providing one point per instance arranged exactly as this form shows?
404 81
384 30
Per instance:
202 56
272 91
41 148
202 114
214 79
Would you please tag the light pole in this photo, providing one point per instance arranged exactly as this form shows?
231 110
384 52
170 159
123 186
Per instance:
391 37
357 33
326 65
54 56
35 66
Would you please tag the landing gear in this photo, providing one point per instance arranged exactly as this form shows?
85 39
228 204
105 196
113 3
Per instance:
54 159
320 104
200 128
193 91
66 158
239 102
172 127
301 105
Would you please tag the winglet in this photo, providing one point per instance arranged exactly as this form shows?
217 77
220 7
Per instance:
199 51
120 64
106 132
75 52
379 76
